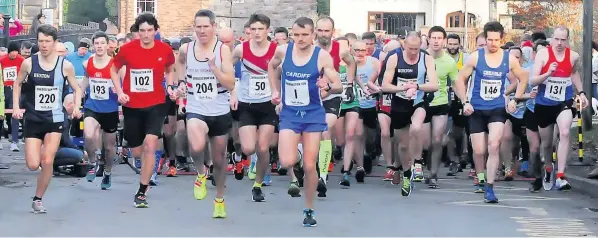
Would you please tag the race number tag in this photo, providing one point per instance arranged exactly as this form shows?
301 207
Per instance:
387 100
259 86
142 80
205 88
296 93
556 88
344 95
10 73
452 95
401 82
46 98
99 89
490 89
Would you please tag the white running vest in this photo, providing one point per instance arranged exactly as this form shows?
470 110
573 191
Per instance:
205 96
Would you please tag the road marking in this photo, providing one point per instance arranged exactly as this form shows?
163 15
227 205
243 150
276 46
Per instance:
552 227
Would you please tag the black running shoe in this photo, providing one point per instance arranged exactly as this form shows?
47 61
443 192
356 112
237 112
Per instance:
322 188
345 182
360 175
257 195
536 185
140 202
308 218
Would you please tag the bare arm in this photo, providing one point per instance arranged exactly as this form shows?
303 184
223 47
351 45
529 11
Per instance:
512 84
237 53
391 66
69 72
519 74
382 56
371 83
273 73
466 71
85 82
181 62
114 75
575 76
432 84
226 73
16 89
539 62
325 63
351 65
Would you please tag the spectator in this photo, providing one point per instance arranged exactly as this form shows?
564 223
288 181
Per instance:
15 27
40 19
112 45
3 52
595 70
26 48
77 58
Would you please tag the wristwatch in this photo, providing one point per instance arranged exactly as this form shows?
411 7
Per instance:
328 89
466 102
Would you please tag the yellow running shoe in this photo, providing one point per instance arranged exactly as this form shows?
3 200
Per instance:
199 189
219 209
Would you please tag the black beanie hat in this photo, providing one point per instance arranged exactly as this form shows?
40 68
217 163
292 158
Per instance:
13 46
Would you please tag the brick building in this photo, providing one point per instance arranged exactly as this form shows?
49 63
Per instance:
176 16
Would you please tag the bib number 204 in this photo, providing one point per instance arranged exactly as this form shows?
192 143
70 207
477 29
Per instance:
204 87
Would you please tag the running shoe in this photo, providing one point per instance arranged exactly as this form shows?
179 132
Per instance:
562 184
509 174
548 181
396 179
418 172
489 196
472 173
154 179
38 207
267 180
251 173
273 167
345 182
406 187
389 174
171 172
536 185
479 188
219 209
294 190
100 170
360 175
257 195
106 182
308 218
331 167
322 188
453 169
524 169
199 187
160 165
140 201
239 170
91 174
433 182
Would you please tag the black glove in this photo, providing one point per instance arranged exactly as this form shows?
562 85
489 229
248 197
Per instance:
350 94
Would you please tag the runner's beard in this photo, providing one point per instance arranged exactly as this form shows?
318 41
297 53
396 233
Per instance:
452 51
323 41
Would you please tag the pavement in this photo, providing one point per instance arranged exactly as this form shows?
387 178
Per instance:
375 208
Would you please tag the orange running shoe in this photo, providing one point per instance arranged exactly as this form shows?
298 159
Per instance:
171 171
160 166
230 167
239 170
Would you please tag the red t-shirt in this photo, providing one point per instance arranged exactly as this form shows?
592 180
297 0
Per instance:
10 69
147 67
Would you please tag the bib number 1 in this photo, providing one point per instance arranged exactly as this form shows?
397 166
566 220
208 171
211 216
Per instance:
296 93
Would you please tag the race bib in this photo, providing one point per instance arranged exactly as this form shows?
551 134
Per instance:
387 100
46 98
490 89
99 89
259 86
10 73
296 93
556 88
142 80
401 82
205 88
344 95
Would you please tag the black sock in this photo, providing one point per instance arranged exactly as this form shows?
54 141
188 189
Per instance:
142 189
238 149
181 159
459 147
407 173
172 163
36 198
445 157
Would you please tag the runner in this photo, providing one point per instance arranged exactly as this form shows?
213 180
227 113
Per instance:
41 80
11 65
101 109
324 31
485 104
281 35
256 113
556 71
435 123
208 108
370 40
142 95
26 49
405 76
531 125
308 76
365 128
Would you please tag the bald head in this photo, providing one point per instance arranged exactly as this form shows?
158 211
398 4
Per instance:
391 45
61 49
227 36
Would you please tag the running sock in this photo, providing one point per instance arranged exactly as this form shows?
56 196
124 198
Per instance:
257 185
181 159
172 163
219 200
324 157
560 175
36 198
238 149
459 147
481 177
445 157
142 189
407 173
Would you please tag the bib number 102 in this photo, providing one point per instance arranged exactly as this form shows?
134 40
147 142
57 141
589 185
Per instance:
142 80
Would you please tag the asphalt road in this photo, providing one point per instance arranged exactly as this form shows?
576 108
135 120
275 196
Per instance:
375 208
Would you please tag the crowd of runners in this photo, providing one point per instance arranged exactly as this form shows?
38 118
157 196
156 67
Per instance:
290 103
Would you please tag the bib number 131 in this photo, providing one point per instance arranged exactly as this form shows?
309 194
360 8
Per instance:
296 93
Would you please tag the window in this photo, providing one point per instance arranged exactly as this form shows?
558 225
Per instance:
146 6
457 21
450 21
